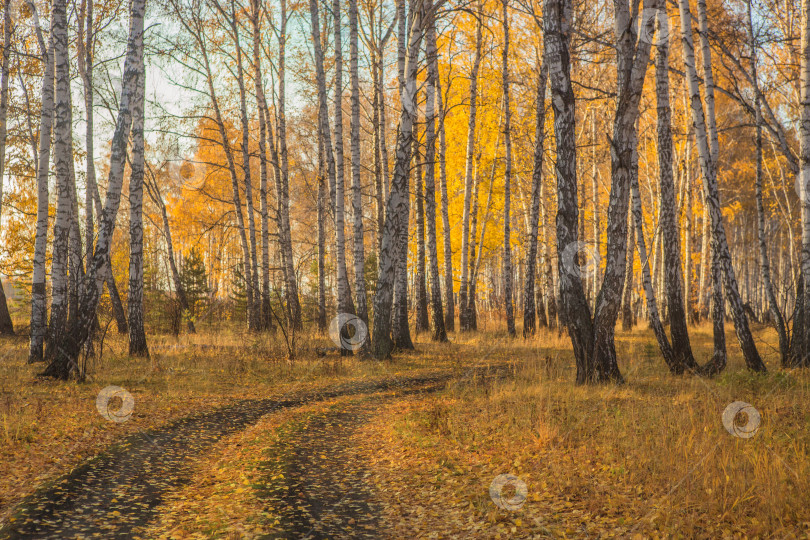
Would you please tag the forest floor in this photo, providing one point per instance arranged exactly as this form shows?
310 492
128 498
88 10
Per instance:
228 439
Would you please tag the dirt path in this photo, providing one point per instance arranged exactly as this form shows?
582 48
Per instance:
319 500
119 490
117 493
326 491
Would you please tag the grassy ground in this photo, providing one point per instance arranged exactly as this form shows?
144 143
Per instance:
48 427
649 458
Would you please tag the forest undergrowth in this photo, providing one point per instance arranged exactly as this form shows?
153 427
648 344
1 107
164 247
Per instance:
48 427
648 458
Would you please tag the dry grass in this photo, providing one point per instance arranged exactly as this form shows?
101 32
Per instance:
647 458
48 427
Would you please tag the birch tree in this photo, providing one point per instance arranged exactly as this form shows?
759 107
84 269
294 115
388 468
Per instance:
646 280
470 311
195 27
420 293
764 263
375 52
718 360
357 194
449 298
596 221
6 326
507 177
382 343
628 313
85 46
631 67
293 303
529 308
38 286
323 107
688 230
574 310
86 53
66 361
321 209
62 157
153 191
593 339
708 154
400 328
345 303
439 330
261 102
75 256
464 286
107 276
803 352
681 346
137 334
254 312
547 266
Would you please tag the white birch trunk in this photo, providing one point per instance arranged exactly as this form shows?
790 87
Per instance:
507 178
400 329
237 198
85 44
38 286
107 277
632 60
803 310
450 305
471 314
345 303
321 236
137 334
574 311
646 280
439 330
464 315
133 68
708 165
293 303
258 81
764 263
668 223
61 365
75 266
420 274
6 326
530 309
379 196
357 196
595 194
628 309
398 200
254 310
323 108
688 233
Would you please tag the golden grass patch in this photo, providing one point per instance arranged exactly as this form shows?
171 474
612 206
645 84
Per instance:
648 458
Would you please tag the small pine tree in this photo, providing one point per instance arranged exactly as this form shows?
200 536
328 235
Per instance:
194 278
238 292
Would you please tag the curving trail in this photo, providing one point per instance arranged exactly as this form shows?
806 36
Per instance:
117 493
326 491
